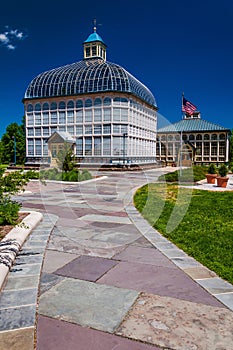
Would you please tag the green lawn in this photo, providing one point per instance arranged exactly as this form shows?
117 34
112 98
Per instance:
199 222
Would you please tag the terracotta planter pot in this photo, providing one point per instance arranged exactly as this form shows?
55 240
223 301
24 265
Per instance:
211 178
222 181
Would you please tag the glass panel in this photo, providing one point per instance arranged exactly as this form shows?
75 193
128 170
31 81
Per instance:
88 103
38 107
97 146
70 105
106 146
79 130
79 104
88 146
206 137
88 116
97 129
37 119
107 101
53 118
107 114
79 146
53 106
97 102
29 107
199 137
107 129
222 137
62 117
62 105
79 116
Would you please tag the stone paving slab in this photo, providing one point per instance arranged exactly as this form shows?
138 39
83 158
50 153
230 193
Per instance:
60 335
158 280
87 304
13 298
107 219
22 339
47 281
178 324
216 285
87 268
21 282
144 255
18 317
53 260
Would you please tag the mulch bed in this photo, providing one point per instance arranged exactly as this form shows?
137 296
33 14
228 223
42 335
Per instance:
5 229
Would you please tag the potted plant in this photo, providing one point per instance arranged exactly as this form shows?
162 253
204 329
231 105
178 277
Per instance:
222 179
211 174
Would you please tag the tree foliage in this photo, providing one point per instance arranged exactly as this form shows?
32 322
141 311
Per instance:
7 143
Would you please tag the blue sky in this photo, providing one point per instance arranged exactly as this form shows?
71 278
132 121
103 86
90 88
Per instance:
171 46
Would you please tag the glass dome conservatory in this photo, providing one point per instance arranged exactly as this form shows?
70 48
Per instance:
110 114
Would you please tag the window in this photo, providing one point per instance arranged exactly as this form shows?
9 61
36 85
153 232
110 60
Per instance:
124 115
116 100
53 106
70 129
38 107
88 146
62 117
88 51
30 147
70 105
37 131
184 137
45 117
97 146
222 148
107 129
107 114
93 50
45 131
214 137
199 137
29 107
88 129
88 103
62 105
38 147
53 118
206 148
107 101
222 137
79 130
116 129
191 137
106 146
214 148
206 137
79 104
30 119
88 116
79 116
45 106
116 114
97 115
30 132
97 129
37 119
97 102
70 117
79 146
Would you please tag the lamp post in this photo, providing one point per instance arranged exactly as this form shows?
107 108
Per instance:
124 146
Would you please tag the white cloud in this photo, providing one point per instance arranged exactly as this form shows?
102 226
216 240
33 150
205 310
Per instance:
10 37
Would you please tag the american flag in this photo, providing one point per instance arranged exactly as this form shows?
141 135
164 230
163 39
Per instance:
187 106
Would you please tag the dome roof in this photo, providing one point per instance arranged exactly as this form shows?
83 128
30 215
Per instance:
87 76
94 37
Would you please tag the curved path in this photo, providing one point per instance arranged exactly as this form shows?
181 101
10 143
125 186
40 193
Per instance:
111 282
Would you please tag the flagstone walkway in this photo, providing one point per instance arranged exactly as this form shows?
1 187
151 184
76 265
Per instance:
109 281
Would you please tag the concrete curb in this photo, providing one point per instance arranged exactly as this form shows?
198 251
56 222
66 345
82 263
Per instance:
13 241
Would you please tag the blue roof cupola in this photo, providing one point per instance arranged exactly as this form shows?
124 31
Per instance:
94 46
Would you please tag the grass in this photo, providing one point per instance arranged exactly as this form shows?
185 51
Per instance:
188 175
199 222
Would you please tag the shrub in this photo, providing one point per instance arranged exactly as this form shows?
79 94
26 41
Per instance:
8 211
223 170
212 169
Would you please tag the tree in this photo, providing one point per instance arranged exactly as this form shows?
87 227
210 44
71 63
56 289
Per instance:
16 131
66 158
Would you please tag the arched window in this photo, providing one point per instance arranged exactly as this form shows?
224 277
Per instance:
62 105
206 137
199 137
38 107
170 137
79 104
214 137
97 102
29 107
184 137
191 137
45 106
117 100
107 101
70 105
53 106
222 137
88 103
